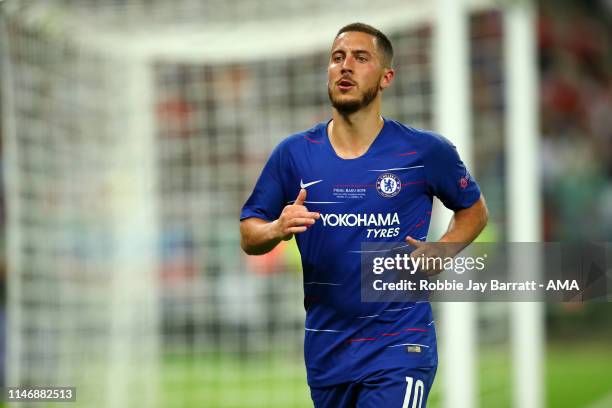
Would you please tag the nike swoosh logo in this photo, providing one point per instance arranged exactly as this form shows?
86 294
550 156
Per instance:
304 185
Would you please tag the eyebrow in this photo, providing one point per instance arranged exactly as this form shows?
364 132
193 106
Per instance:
354 52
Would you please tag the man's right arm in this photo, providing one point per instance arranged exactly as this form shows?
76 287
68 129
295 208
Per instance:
258 236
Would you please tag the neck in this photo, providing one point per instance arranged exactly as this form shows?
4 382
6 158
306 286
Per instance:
351 135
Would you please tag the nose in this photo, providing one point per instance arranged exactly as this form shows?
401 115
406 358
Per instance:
347 64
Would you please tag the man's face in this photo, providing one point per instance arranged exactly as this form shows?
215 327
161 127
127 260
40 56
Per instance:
355 73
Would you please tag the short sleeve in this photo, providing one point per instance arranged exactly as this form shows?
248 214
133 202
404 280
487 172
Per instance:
267 199
447 177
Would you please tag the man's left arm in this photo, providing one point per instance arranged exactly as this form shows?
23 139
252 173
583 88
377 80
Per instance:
464 227
466 224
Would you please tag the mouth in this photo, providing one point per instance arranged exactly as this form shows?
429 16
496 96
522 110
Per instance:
345 84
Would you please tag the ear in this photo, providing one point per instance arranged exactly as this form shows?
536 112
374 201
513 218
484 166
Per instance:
387 78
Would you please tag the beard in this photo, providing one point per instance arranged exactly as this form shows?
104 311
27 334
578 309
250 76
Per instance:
347 107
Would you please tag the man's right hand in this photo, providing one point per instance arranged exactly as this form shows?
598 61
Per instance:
295 218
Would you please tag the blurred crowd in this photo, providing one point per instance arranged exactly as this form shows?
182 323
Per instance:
574 43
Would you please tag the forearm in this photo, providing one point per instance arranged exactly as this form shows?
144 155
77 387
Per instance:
465 225
258 236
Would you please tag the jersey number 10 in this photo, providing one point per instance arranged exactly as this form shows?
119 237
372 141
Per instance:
417 388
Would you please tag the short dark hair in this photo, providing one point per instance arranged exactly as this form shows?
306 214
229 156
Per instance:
382 42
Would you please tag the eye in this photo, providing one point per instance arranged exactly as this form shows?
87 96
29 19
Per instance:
337 58
362 59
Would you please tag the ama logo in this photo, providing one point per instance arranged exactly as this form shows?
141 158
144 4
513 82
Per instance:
388 185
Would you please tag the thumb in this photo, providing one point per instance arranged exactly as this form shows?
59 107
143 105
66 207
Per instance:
415 243
301 197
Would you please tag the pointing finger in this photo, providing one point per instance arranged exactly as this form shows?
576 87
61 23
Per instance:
415 243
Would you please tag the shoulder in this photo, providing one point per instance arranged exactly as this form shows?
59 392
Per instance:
426 142
419 137
299 140
293 148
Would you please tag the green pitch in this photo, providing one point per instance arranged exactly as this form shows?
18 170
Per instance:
576 377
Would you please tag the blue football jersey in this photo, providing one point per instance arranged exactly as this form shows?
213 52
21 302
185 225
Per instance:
382 196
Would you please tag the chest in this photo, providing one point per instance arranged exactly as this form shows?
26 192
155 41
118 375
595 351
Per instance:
376 184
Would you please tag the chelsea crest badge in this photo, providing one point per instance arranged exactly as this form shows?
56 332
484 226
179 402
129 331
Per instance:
388 185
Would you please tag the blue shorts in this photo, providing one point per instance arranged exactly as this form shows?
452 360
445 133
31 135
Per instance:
391 388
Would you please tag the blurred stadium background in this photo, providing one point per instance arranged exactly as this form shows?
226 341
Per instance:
133 131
